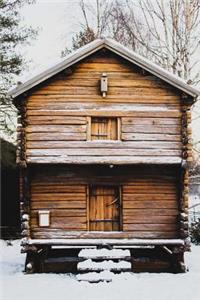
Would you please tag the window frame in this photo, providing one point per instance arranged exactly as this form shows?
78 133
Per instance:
89 128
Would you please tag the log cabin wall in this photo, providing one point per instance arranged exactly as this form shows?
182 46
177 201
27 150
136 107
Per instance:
147 111
149 200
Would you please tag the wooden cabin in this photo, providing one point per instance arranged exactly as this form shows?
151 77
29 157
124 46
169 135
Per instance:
104 144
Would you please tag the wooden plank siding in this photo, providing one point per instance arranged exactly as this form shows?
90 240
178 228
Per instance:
149 199
148 112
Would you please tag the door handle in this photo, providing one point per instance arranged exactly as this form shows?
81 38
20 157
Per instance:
114 201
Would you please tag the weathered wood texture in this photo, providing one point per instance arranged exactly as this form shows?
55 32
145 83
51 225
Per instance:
149 203
59 115
104 208
186 131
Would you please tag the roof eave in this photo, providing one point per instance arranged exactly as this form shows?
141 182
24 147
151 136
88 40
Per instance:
116 48
157 71
74 58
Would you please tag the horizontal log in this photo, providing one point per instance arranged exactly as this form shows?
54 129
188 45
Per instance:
153 180
67 227
63 222
113 103
50 234
149 189
150 121
58 204
155 234
150 204
132 212
104 144
135 111
113 82
150 227
103 67
58 197
115 75
80 212
166 129
38 101
112 238
91 90
149 219
45 120
122 160
149 197
56 128
150 137
56 136
144 101
56 187
102 152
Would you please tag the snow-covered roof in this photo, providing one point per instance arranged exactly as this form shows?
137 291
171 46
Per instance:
116 48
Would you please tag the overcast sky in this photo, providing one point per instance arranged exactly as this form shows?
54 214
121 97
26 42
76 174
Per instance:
57 21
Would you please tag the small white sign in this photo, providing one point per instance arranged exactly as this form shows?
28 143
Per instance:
44 218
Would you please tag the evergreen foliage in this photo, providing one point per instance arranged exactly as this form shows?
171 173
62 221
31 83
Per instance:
195 232
12 35
82 38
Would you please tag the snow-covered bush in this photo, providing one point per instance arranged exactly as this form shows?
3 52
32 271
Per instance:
195 232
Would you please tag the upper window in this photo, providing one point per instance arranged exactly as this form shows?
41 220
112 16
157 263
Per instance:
103 128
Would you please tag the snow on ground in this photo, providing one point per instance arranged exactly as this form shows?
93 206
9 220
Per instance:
14 285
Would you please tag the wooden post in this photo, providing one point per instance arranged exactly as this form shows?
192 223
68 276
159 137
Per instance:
88 128
119 129
88 206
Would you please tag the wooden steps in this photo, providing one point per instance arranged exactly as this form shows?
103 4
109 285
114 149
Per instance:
104 253
93 277
100 265
90 265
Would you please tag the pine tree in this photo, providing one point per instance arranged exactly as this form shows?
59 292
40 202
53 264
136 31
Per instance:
82 38
195 232
12 35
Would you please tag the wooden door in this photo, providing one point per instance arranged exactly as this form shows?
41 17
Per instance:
104 208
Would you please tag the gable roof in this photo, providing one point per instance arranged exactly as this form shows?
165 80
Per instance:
116 48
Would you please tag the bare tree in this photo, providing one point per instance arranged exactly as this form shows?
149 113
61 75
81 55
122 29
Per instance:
173 33
103 18
95 23
169 35
96 16
164 31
